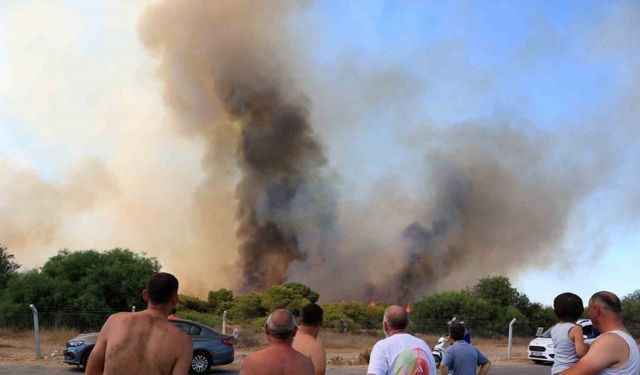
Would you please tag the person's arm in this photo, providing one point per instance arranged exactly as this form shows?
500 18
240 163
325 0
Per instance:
447 361
577 336
604 353
319 359
484 368
185 354
483 362
377 362
95 363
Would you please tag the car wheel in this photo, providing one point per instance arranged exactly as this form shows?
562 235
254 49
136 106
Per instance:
200 363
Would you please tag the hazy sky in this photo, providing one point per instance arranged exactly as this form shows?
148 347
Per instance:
79 101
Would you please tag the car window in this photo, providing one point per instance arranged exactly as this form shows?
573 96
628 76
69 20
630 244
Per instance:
184 327
195 330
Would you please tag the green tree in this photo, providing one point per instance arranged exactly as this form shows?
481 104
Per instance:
432 313
631 312
85 280
8 266
291 296
245 307
498 290
216 298
186 302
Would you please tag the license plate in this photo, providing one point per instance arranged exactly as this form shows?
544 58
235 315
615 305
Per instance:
537 354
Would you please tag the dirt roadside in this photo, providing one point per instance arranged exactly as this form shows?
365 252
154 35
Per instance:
17 347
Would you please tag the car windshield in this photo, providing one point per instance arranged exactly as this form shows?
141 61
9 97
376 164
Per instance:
546 334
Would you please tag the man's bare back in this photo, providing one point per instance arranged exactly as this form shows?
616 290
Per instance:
277 360
140 343
312 348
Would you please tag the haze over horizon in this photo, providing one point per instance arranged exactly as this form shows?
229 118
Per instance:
425 145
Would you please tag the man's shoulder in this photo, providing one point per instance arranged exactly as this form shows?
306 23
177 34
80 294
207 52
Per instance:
401 340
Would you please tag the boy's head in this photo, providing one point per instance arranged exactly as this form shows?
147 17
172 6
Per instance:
311 315
456 331
568 307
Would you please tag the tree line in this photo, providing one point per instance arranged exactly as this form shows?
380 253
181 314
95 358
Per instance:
80 289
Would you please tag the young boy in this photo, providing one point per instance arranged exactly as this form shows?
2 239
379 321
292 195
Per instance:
567 336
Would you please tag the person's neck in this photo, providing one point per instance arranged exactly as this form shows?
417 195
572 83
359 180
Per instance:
312 331
396 331
280 343
612 325
157 311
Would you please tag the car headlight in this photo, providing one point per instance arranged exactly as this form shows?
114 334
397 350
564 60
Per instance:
549 346
75 343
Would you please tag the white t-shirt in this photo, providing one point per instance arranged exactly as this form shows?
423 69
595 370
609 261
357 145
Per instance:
401 354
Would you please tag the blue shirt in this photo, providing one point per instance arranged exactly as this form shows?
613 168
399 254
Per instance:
462 358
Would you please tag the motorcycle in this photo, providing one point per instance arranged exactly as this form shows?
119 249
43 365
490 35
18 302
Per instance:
438 350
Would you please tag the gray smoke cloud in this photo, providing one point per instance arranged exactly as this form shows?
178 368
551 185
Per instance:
495 198
224 67
361 176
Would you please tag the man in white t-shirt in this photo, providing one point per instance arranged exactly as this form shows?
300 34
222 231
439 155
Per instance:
400 352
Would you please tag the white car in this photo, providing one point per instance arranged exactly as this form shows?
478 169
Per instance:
541 348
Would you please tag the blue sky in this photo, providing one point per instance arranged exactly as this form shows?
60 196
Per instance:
551 67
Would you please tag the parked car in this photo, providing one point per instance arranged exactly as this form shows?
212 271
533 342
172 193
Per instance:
540 349
210 348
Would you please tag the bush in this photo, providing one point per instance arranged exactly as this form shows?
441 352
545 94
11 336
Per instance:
353 315
431 314
217 298
208 319
186 302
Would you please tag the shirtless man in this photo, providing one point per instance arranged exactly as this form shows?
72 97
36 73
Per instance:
144 342
279 358
306 340
614 352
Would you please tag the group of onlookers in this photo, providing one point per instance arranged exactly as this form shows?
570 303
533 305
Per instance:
147 343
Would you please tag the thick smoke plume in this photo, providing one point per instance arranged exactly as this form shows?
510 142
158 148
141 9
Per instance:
226 177
499 201
232 73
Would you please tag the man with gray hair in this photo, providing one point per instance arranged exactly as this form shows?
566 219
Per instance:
400 352
614 352
279 358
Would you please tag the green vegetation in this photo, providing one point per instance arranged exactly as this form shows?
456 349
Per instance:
77 289
8 266
80 289
487 308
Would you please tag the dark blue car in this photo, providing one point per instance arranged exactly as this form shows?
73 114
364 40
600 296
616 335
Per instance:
210 348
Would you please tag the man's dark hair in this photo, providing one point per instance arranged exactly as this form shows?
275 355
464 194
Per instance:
608 300
568 307
456 331
161 287
311 315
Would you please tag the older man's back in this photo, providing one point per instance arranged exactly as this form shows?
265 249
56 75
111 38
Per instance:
279 358
277 361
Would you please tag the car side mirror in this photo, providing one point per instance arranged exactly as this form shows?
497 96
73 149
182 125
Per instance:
539 331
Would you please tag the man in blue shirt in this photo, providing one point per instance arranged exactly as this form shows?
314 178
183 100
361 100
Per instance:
462 358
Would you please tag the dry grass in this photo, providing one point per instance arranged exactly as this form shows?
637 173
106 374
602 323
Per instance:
47 336
19 346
